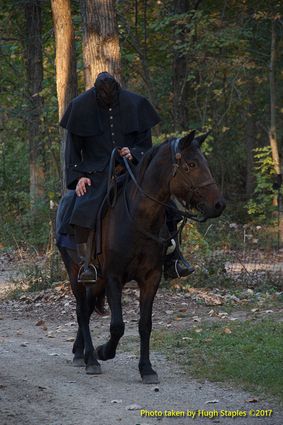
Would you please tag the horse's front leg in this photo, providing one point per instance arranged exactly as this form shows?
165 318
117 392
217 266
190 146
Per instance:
117 326
78 349
148 290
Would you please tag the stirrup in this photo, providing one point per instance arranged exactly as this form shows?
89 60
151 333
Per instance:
186 270
177 268
90 274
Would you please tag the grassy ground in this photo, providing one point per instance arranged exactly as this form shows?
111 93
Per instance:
249 353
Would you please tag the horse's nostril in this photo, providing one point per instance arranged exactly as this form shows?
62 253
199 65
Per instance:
219 205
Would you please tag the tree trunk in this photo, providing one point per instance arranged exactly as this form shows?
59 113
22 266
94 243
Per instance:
251 137
273 129
34 69
101 49
180 71
66 77
181 88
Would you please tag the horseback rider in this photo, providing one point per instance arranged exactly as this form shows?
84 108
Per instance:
100 119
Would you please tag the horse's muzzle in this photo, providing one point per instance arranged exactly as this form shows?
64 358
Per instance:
212 211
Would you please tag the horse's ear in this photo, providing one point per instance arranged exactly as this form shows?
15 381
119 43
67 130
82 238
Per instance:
187 140
201 139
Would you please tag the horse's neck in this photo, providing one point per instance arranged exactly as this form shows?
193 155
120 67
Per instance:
155 183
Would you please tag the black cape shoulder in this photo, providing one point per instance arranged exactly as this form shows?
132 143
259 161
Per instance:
82 116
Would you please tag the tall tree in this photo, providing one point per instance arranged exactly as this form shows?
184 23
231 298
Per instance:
66 77
101 49
180 67
273 139
34 70
273 126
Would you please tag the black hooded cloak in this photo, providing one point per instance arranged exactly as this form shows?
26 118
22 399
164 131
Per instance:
93 132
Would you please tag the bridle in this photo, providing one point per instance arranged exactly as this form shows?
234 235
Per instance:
179 166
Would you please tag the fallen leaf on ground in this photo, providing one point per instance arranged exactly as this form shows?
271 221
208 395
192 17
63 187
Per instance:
134 407
196 319
227 331
222 314
252 400
209 299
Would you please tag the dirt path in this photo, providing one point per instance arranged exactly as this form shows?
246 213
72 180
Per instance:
39 385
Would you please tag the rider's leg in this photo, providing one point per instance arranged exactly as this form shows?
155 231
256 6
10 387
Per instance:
84 243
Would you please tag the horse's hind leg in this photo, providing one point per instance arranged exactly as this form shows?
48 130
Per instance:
79 292
83 347
85 307
114 294
147 293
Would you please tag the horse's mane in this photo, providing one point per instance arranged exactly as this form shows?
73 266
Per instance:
147 158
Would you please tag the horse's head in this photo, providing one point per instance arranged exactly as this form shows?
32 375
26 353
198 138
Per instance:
192 181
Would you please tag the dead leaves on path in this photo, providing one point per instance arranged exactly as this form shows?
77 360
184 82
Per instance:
209 299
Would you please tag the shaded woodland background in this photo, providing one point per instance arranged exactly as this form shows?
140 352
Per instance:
203 64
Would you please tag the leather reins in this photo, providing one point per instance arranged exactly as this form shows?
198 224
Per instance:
176 165
176 168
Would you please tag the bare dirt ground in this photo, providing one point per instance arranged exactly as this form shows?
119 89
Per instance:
39 385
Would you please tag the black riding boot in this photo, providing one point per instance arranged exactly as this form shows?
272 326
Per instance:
175 265
87 272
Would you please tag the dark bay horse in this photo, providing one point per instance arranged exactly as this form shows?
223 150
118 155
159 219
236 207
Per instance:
133 235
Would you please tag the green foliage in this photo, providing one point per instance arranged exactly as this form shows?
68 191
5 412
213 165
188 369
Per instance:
225 53
261 207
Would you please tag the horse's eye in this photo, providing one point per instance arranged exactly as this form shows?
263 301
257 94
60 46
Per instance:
192 164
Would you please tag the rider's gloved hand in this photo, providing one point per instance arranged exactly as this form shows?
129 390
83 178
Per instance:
82 184
125 152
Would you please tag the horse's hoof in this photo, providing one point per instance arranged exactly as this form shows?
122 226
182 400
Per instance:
78 362
93 369
150 379
103 355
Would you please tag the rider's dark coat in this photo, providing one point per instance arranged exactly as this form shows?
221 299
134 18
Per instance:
93 132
